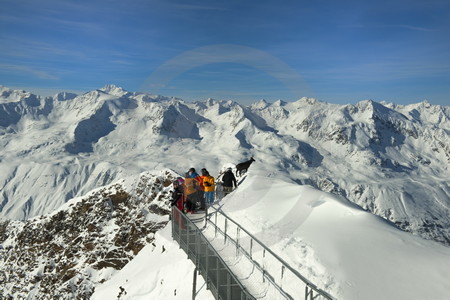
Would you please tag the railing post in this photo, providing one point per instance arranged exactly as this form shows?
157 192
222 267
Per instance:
172 221
215 225
180 227
238 230
309 292
263 267
197 249
194 284
207 265
228 287
179 222
217 277
225 235
187 239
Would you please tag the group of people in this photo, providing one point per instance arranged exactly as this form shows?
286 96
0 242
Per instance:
195 191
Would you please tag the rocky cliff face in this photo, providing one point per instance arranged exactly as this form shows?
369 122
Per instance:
63 255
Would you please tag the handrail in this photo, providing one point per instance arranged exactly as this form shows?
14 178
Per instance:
193 240
282 261
243 294
263 272
261 269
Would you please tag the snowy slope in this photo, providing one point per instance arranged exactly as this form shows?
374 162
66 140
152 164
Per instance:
391 160
113 242
343 249
160 271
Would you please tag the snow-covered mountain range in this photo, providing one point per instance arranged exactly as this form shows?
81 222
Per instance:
80 199
391 160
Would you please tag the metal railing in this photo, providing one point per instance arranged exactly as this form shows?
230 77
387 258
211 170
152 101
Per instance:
219 279
273 268
235 264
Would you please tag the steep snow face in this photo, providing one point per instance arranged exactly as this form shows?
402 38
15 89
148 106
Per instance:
391 160
343 249
67 253
63 96
8 95
160 271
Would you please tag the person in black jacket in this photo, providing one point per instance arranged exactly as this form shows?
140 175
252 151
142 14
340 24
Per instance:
228 181
177 195
178 201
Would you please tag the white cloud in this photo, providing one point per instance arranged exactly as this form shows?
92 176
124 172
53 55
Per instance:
30 70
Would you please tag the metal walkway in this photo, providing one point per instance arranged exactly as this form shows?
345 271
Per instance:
235 264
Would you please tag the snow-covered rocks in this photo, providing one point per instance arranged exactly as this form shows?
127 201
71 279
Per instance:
67 253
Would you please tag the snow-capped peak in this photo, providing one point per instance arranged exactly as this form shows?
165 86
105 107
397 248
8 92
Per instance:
114 90
279 103
260 104
9 95
64 96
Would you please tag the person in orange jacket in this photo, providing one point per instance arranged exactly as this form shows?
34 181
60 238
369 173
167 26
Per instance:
200 204
208 186
192 191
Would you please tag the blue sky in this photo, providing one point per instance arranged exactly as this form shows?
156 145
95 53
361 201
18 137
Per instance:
336 51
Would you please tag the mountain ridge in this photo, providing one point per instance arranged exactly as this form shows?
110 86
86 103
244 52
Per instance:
392 160
68 252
